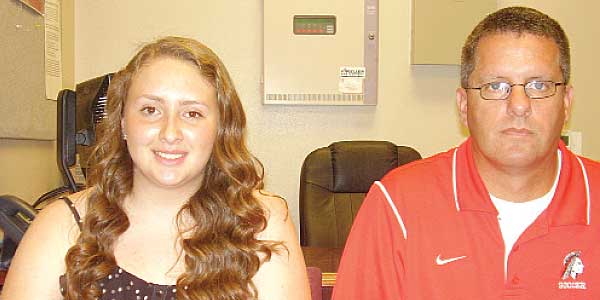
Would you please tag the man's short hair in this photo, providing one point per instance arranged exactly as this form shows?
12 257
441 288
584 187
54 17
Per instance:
518 20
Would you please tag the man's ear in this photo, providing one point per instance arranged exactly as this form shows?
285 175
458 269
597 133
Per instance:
567 101
461 103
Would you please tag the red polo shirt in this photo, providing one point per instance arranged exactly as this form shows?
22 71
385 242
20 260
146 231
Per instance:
429 230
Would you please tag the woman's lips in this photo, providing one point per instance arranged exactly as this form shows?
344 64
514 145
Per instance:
170 157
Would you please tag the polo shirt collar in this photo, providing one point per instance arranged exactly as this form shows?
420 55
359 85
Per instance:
570 204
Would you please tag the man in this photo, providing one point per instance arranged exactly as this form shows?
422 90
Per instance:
510 213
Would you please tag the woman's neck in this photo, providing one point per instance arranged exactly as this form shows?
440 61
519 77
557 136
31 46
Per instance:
148 200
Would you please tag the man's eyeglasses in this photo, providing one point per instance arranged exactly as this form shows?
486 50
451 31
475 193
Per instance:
501 90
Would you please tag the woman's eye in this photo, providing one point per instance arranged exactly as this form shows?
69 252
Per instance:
193 114
149 110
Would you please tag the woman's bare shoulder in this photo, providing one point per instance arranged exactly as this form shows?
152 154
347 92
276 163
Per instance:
59 208
275 206
279 225
59 219
80 200
39 260
284 275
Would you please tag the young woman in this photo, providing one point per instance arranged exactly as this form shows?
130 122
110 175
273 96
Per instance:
175 207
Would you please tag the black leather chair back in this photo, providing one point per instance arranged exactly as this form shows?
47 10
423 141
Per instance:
333 184
15 217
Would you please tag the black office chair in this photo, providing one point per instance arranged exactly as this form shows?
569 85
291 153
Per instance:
77 116
333 184
15 217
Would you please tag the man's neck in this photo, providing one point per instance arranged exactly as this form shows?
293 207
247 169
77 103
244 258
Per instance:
518 183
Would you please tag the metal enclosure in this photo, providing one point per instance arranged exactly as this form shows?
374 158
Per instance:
320 52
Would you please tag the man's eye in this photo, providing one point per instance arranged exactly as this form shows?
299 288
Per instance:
495 86
537 85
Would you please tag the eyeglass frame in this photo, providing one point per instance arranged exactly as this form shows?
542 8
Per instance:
511 85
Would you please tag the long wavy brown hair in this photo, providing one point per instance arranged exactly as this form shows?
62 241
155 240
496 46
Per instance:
221 251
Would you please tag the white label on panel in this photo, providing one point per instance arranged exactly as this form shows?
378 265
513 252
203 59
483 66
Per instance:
353 72
351 85
351 80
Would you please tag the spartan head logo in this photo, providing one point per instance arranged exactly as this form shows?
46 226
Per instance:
573 265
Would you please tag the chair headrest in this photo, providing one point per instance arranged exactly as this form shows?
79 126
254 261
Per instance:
356 164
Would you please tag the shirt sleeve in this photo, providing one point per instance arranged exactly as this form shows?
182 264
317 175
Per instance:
371 266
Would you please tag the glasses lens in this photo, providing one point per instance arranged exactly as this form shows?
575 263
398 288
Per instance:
495 90
540 89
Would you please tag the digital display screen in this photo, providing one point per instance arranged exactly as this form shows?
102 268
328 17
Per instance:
314 25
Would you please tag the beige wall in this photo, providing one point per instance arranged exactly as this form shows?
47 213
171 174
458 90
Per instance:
68 43
29 168
416 103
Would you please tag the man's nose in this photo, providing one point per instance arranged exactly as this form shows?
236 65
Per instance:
519 104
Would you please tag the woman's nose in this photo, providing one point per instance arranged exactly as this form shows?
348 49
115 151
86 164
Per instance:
171 130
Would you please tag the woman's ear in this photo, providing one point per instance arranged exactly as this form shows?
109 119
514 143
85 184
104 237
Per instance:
123 134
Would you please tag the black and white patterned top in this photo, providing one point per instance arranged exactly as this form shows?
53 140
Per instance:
122 285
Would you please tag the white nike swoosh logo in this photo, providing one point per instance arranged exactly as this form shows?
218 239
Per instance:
440 262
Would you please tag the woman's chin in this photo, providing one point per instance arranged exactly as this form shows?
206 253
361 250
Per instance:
176 182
